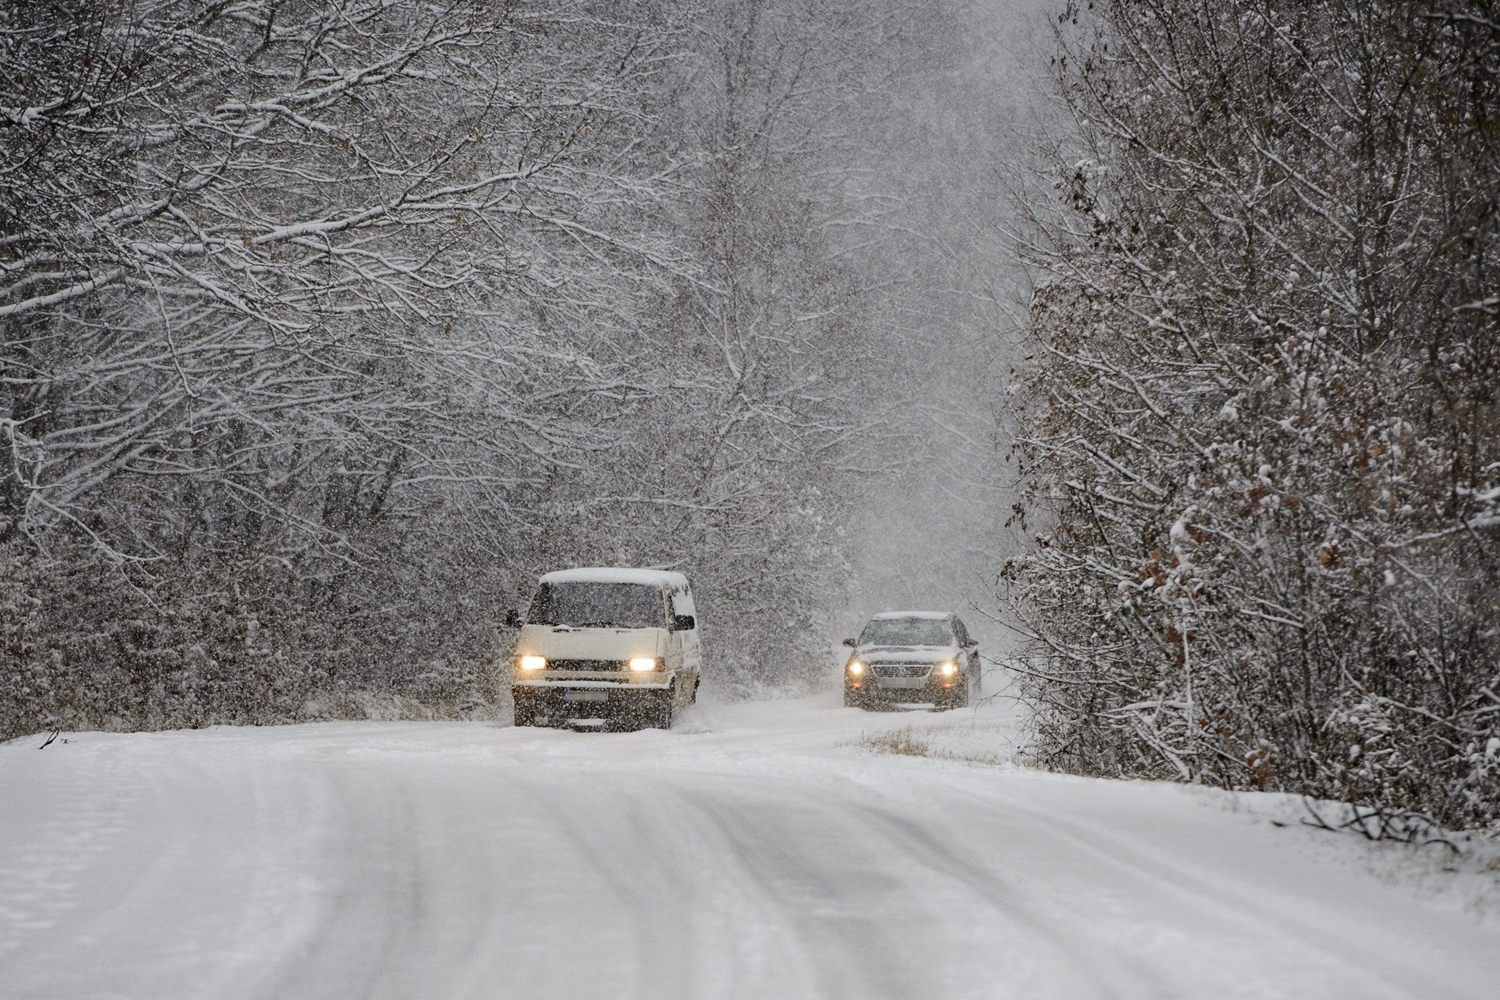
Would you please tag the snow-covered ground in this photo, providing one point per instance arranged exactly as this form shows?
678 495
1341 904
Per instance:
758 850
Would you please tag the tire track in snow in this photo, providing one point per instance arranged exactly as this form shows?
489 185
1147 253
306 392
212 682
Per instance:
1204 898
386 861
51 840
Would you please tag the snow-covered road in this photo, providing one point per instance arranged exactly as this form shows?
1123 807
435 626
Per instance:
753 852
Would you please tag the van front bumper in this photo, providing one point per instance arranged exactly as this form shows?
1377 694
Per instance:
648 682
549 702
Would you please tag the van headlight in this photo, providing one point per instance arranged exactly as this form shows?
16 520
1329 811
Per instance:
948 669
643 663
533 663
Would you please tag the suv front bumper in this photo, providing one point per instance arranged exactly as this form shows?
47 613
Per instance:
933 688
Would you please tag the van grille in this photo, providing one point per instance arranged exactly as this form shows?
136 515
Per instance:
586 664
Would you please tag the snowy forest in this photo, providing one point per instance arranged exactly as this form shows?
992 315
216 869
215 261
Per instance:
327 325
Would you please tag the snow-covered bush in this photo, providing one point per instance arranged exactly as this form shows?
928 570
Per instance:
1260 429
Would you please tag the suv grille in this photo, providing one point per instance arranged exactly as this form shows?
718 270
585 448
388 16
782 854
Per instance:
586 664
900 669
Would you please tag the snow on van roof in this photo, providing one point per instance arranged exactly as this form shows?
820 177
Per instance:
616 574
911 614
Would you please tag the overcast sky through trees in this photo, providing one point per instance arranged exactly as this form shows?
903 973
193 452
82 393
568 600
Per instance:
928 538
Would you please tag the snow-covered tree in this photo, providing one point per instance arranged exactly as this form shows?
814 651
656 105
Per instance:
1259 425
304 304
328 324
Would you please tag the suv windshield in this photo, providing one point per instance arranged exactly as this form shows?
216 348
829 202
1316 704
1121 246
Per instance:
597 605
907 632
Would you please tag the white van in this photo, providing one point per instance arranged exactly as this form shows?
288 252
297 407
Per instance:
613 647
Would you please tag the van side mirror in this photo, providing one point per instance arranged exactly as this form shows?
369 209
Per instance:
851 643
512 618
682 623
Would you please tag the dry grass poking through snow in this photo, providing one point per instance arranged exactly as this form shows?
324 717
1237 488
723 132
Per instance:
903 741
977 744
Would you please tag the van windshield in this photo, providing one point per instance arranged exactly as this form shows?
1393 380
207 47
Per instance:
598 605
907 632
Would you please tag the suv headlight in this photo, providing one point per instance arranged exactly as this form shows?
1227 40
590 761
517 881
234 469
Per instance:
856 668
948 669
643 663
533 663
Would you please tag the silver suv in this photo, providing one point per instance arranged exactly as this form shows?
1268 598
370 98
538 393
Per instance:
912 656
